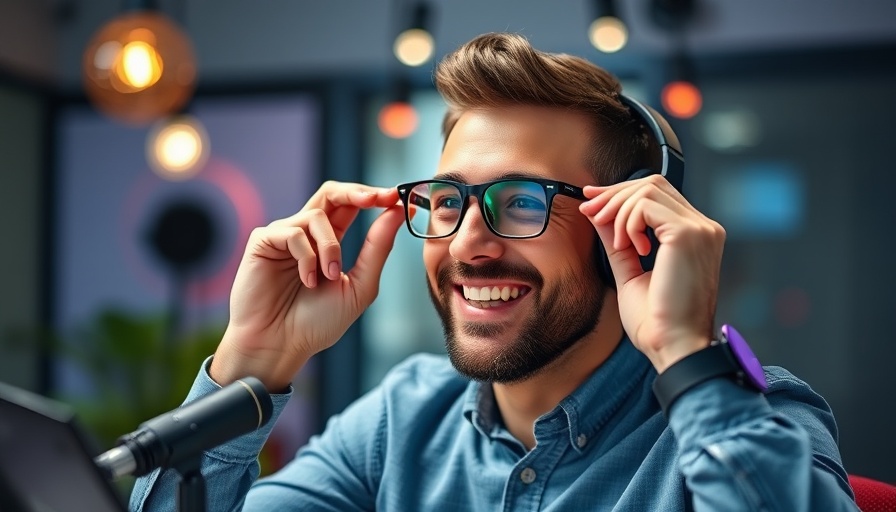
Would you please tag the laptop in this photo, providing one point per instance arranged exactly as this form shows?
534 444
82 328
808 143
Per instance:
46 459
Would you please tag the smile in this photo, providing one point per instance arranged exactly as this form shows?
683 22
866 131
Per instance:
490 296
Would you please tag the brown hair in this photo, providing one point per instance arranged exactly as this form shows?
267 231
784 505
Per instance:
501 69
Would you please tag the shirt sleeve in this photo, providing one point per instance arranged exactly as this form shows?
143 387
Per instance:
229 469
338 470
741 450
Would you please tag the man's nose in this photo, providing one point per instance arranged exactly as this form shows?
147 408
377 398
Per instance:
473 240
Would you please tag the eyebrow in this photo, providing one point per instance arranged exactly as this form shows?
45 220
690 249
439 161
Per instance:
458 177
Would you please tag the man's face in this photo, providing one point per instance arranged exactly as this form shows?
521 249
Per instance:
549 295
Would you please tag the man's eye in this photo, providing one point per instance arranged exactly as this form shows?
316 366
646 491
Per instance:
447 202
525 203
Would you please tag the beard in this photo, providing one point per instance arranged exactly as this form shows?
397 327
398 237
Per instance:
563 315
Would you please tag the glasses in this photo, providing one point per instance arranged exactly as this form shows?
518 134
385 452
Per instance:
511 207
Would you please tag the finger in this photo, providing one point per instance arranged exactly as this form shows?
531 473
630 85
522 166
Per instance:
301 248
280 243
333 194
629 222
343 205
601 197
605 205
329 251
341 202
620 209
343 216
636 227
624 263
372 257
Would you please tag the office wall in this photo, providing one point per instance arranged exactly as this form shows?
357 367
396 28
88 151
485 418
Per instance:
807 201
22 149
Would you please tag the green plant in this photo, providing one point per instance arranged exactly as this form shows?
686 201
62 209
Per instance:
135 370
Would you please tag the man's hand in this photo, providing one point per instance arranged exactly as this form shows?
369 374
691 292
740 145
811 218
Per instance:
290 298
668 312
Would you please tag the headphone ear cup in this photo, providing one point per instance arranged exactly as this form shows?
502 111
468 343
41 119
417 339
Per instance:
604 271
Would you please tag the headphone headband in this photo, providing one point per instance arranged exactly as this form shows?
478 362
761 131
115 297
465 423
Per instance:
673 158
672 169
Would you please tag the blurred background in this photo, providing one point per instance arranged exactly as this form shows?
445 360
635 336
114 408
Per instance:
141 141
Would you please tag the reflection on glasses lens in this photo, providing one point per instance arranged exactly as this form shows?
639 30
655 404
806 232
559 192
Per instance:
516 208
438 208
512 208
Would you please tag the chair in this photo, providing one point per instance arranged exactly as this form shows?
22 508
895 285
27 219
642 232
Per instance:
873 495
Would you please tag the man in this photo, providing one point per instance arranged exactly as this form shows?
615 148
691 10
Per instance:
546 403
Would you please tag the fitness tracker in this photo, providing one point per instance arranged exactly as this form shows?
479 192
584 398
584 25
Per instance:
729 356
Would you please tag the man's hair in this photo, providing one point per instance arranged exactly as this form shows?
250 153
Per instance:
501 69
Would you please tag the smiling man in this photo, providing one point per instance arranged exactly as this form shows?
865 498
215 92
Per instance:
575 379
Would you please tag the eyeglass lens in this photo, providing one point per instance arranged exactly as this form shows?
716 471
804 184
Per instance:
512 208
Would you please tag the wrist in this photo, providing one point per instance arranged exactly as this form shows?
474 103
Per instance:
729 356
666 356
232 361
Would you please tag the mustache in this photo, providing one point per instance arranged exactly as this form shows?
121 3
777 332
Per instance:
494 269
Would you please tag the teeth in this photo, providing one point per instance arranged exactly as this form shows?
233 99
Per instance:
489 293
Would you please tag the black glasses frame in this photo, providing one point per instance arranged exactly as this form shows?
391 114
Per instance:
551 189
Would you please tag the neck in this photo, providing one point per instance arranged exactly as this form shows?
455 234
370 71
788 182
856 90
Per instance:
521 403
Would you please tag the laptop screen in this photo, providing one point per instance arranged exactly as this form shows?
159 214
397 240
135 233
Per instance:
46 459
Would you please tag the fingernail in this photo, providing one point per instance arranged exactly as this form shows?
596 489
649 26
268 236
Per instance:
312 279
334 270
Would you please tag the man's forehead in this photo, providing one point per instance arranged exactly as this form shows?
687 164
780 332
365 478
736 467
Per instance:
461 177
517 141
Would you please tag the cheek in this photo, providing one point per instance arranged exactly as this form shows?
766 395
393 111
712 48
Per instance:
434 254
573 239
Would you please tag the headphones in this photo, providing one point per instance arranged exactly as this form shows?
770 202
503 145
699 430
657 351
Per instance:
672 170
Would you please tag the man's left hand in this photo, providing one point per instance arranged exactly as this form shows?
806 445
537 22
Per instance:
668 312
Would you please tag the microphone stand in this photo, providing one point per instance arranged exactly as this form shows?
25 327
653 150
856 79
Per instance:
191 485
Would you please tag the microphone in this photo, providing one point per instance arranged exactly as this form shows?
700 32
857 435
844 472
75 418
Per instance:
179 435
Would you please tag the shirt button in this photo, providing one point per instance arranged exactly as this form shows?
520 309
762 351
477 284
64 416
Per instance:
582 440
528 476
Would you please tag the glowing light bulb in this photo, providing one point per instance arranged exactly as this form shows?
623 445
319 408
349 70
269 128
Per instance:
106 55
398 120
139 68
177 149
141 65
608 34
413 47
681 99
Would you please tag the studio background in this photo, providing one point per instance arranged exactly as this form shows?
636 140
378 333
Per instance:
791 152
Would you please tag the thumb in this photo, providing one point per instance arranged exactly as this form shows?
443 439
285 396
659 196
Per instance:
380 238
625 263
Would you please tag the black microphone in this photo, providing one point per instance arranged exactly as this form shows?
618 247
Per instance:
184 433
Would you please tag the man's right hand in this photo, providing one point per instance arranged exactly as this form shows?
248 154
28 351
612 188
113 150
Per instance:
290 299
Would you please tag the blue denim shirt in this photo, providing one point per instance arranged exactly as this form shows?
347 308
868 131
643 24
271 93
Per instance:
428 440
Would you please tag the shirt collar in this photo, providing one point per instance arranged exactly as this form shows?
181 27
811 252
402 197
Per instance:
585 411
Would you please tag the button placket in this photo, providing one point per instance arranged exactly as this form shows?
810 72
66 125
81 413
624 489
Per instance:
528 475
